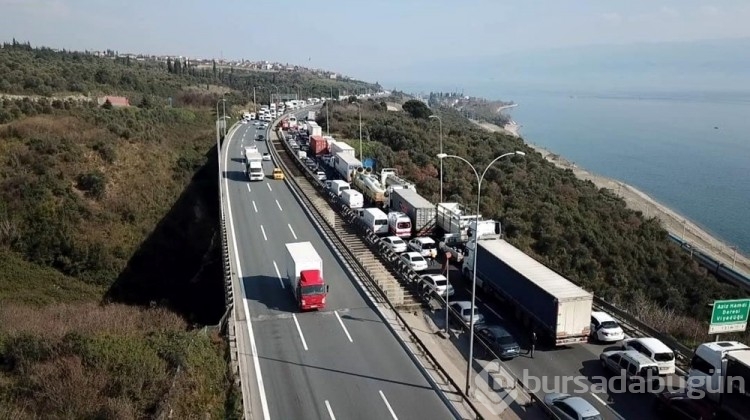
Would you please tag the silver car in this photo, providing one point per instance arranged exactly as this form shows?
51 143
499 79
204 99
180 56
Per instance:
569 407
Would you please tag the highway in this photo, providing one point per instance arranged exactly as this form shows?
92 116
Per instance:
555 370
343 362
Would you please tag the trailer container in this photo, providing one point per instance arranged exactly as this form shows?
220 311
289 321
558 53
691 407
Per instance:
419 209
544 300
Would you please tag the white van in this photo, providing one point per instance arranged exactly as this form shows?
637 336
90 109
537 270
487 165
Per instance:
338 186
376 220
705 371
632 362
655 350
399 224
352 198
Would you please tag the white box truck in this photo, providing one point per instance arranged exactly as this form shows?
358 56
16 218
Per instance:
304 269
341 147
254 167
345 165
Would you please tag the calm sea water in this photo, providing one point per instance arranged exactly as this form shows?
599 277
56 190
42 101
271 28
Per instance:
665 145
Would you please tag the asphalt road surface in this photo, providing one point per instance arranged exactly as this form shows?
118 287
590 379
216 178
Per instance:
342 362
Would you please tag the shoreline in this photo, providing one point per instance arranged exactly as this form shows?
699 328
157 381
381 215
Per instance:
638 200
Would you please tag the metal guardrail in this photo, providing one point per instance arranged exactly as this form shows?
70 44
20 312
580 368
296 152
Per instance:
348 216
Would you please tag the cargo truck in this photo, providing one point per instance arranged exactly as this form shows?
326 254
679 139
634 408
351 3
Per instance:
318 145
369 186
314 129
546 302
304 270
341 147
345 165
254 166
456 225
419 209
721 370
310 115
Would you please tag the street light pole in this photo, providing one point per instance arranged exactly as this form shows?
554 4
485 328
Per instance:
255 103
224 122
328 125
442 156
221 128
359 108
440 121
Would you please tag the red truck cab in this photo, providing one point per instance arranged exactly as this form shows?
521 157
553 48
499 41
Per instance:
312 290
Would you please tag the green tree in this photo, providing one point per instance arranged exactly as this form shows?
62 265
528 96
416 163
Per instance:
417 109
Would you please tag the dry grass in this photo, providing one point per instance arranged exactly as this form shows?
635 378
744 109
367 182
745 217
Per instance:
687 330
55 321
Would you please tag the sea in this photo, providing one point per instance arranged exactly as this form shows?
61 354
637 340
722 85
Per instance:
688 150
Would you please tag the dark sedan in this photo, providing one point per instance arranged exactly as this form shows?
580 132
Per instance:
500 341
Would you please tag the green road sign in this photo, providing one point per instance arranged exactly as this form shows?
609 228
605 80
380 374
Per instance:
729 316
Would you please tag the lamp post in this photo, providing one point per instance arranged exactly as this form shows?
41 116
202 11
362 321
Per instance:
277 94
442 156
328 125
440 121
359 109
221 128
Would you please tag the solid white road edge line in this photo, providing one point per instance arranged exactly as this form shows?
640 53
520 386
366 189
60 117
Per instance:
387 404
264 232
344 327
278 274
299 330
256 209
330 411
608 406
253 348
292 230
277 203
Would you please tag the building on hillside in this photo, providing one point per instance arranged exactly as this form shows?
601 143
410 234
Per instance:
116 101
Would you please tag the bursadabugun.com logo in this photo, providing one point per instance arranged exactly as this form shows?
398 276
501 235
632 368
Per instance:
496 387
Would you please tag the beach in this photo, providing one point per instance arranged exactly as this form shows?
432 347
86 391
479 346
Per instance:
635 199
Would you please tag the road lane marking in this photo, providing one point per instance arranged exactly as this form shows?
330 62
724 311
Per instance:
248 188
290 228
299 330
269 187
256 209
264 232
253 347
598 399
278 275
387 404
277 203
344 327
330 411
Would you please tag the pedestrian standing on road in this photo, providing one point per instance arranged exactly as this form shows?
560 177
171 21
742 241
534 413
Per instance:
533 343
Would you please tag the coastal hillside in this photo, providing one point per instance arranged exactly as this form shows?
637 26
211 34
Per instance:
109 264
584 232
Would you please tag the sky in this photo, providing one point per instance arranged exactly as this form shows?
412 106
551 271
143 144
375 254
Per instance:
389 41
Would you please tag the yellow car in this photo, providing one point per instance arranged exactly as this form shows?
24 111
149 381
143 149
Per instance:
277 174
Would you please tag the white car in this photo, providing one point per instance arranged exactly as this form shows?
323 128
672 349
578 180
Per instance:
604 328
416 261
256 123
436 283
396 244
266 156
426 247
